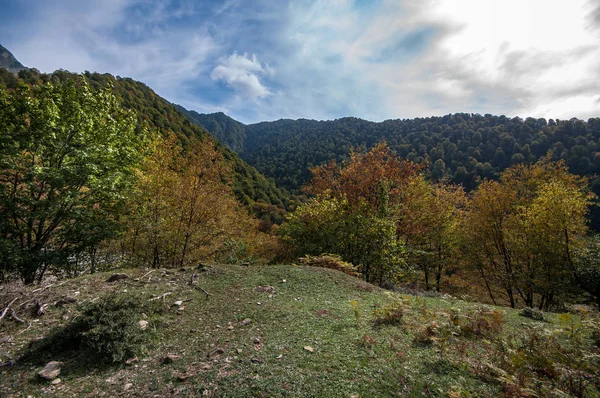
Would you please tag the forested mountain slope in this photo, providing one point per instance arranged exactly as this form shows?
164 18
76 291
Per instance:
465 147
253 189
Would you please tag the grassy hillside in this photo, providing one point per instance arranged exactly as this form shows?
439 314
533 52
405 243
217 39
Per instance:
289 331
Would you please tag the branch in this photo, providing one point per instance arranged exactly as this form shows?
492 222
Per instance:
7 308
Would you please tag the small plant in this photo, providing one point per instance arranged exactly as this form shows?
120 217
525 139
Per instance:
389 314
426 333
482 322
367 341
330 261
108 329
532 313
356 308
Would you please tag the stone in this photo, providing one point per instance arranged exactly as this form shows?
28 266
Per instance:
245 322
127 386
51 370
55 381
117 277
170 358
143 324
264 289
65 300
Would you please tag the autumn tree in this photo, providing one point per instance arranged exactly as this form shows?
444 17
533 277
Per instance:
68 157
428 218
351 214
185 209
523 231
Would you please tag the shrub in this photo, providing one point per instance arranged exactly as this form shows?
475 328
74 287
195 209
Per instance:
108 329
481 322
532 313
389 314
330 261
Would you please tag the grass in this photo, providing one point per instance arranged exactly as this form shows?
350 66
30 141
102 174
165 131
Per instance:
222 355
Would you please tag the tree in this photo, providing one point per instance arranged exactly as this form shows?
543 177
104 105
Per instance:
185 210
330 225
351 213
428 219
522 233
68 157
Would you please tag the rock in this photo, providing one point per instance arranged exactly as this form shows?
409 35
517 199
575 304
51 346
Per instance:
265 289
131 361
283 281
127 386
245 322
216 352
229 326
143 324
50 371
117 277
239 350
308 348
65 300
170 358
55 381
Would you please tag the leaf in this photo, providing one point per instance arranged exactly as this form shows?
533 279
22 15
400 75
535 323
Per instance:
308 348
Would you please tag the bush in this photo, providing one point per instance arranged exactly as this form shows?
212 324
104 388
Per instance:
481 322
330 261
107 329
389 314
532 313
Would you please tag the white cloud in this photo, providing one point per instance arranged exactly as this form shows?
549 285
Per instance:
372 59
241 72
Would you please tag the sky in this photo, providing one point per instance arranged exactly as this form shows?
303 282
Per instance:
260 60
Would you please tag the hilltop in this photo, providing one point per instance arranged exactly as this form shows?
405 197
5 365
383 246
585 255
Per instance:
9 62
287 330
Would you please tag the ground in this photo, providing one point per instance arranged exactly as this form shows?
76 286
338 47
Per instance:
262 331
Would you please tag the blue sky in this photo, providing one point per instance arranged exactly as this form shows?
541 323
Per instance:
324 59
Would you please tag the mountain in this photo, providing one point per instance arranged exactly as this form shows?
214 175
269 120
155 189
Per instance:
261 195
9 62
464 147
227 130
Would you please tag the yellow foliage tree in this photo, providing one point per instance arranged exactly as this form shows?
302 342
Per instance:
185 209
521 232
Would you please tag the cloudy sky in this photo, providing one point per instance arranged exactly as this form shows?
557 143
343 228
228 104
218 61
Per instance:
322 59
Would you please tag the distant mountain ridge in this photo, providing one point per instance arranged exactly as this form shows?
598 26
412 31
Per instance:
464 148
227 130
9 62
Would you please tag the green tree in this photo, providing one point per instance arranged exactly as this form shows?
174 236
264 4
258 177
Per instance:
332 225
68 157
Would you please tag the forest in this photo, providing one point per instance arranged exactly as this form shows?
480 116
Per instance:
463 148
